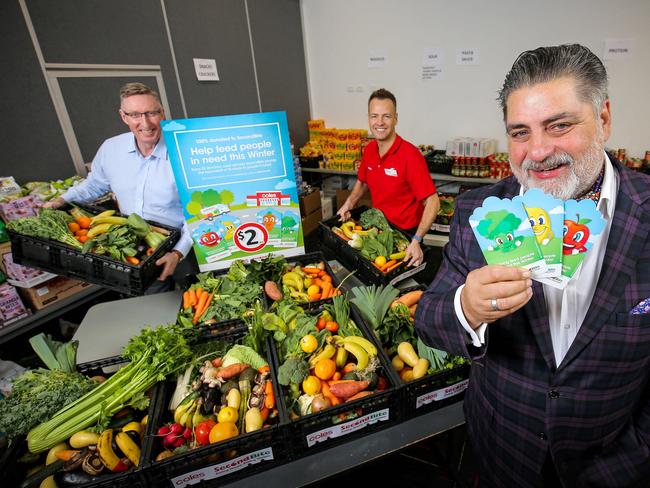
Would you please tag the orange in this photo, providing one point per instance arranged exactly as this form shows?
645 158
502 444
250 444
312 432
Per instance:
73 226
311 385
81 232
84 222
325 369
223 431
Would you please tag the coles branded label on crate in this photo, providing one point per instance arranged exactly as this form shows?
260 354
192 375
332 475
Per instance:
222 469
442 393
347 427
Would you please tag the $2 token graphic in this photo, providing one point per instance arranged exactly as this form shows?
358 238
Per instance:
251 237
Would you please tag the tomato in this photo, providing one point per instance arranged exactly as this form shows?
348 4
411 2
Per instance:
320 325
202 432
332 326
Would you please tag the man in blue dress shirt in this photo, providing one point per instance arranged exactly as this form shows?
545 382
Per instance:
135 167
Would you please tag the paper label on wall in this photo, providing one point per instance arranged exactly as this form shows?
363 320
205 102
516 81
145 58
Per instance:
206 69
468 57
222 469
236 182
618 48
376 59
433 56
347 427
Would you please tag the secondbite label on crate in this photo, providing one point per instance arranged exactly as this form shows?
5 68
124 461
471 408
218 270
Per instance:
441 394
222 469
348 427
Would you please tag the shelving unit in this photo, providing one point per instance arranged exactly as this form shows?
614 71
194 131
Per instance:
435 176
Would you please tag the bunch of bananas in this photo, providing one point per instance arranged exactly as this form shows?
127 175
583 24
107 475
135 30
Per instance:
188 413
102 223
339 347
295 282
120 449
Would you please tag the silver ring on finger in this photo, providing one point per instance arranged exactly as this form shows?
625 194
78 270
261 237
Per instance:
494 305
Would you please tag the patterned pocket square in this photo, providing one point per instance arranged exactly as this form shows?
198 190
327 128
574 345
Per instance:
642 308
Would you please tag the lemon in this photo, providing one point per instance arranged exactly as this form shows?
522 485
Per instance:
311 385
308 343
380 260
227 414
313 290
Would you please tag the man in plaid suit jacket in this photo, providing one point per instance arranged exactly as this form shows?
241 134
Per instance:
559 392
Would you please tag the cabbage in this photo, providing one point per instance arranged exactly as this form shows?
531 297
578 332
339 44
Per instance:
243 354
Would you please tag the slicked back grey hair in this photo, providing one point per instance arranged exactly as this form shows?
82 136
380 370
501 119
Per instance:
545 64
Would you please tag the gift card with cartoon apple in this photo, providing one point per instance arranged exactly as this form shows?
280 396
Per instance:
210 236
583 225
504 234
546 217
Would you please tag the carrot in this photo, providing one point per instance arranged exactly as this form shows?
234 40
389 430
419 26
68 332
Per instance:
412 309
361 394
265 414
315 297
392 267
317 281
217 362
348 368
410 298
388 264
232 371
327 289
337 376
327 393
150 251
347 389
208 301
326 277
376 266
186 300
199 292
193 299
311 270
129 259
269 400
199 307
66 454
264 369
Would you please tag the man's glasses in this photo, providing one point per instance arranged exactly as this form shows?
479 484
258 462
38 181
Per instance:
139 115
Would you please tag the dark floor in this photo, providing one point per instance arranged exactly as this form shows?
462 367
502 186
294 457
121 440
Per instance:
444 461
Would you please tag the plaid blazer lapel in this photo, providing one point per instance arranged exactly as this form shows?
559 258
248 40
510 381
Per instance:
537 314
627 237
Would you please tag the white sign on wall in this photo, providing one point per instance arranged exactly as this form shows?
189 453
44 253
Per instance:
468 57
376 59
618 48
206 69
433 59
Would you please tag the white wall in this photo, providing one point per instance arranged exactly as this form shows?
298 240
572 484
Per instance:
340 34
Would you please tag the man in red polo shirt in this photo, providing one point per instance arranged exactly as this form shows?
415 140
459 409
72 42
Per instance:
397 176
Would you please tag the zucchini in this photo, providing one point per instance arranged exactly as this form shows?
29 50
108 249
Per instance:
36 479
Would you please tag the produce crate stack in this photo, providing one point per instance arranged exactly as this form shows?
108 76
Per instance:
118 268
427 378
330 411
339 241
231 448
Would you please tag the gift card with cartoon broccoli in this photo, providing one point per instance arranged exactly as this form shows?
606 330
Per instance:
583 225
289 224
546 217
505 236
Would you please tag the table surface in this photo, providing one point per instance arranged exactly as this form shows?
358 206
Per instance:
108 326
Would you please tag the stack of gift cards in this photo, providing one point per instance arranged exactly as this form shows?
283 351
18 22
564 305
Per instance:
538 232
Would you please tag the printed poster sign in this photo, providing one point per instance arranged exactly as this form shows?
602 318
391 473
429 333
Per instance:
237 185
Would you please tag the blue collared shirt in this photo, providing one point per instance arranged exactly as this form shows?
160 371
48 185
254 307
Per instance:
144 185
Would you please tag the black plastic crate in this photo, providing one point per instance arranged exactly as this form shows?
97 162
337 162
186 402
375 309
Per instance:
221 326
217 463
132 478
64 260
310 161
308 258
432 391
349 420
353 260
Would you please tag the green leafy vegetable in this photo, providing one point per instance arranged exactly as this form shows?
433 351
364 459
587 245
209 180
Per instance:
37 395
154 355
243 354
374 301
55 354
49 224
293 370
267 269
374 218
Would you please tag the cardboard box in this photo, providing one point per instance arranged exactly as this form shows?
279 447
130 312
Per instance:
309 203
51 292
342 195
310 222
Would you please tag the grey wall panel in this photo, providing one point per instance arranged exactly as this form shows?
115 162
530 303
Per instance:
280 61
32 145
87 103
213 30
106 32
